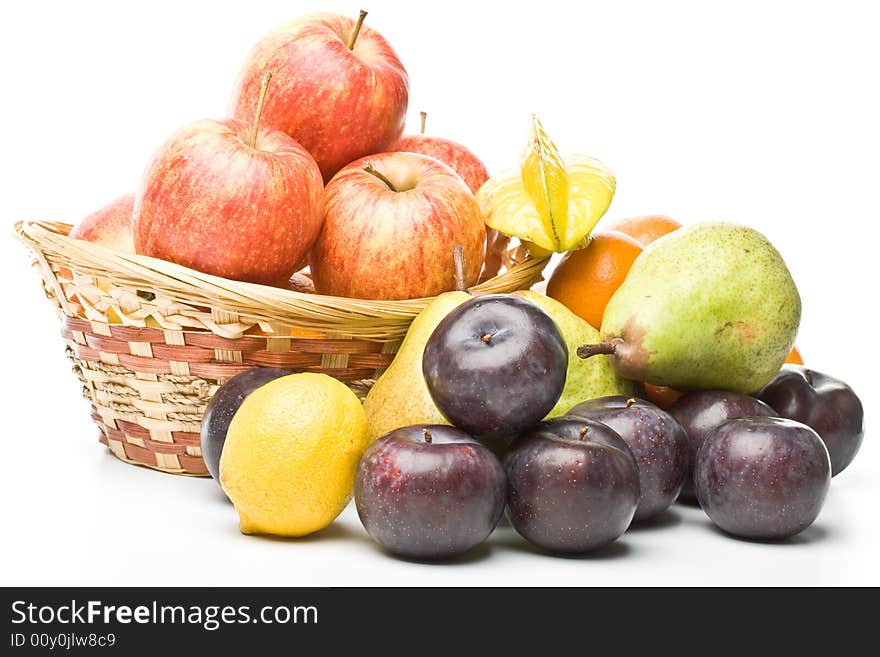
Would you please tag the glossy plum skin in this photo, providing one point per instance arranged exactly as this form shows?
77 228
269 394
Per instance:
572 485
222 407
656 440
496 365
823 403
700 413
429 500
762 478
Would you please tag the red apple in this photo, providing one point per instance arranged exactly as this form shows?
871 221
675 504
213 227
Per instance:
460 158
110 226
391 222
228 199
338 88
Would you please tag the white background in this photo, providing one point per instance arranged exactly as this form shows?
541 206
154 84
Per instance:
764 113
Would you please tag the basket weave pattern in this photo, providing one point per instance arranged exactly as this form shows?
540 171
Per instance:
152 341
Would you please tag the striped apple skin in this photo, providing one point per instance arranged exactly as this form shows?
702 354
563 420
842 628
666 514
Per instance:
380 244
462 160
109 226
210 201
340 104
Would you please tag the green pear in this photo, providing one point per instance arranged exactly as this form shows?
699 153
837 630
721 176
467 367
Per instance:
585 379
708 306
400 396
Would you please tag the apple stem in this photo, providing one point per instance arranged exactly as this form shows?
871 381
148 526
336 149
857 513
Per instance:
588 350
427 435
357 29
460 263
424 117
369 168
264 85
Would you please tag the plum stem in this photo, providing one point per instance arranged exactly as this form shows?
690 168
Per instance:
588 350
427 435
630 402
487 337
357 29
583 433
460 263
369 168
424 117
264 86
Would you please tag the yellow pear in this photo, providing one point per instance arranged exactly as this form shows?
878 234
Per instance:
400 397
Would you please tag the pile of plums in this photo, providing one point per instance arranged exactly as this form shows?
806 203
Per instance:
759 466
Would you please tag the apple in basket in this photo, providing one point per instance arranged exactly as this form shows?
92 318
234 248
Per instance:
110 226
460 158
232 199
340 89
391 222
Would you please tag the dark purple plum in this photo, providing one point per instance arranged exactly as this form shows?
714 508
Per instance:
823 403
429 491
572 485
700 413
223 405
762 477
496 365
656 440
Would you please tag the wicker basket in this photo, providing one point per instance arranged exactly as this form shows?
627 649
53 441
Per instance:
151 341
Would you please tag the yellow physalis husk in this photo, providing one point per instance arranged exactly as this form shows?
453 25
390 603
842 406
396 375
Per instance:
552 202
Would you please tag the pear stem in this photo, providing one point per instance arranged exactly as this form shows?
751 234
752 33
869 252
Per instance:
460 263
357 29
369 168
424 117
427 435
588 350
264 86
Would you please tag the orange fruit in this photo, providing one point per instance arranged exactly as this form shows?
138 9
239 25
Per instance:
795 357
662 396
585 279
647 228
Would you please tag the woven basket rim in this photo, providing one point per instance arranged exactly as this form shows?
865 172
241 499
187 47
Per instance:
356 318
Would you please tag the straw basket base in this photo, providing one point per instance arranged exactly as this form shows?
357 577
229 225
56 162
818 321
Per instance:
117 449
170 441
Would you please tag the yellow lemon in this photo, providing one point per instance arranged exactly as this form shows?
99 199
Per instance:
291 454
